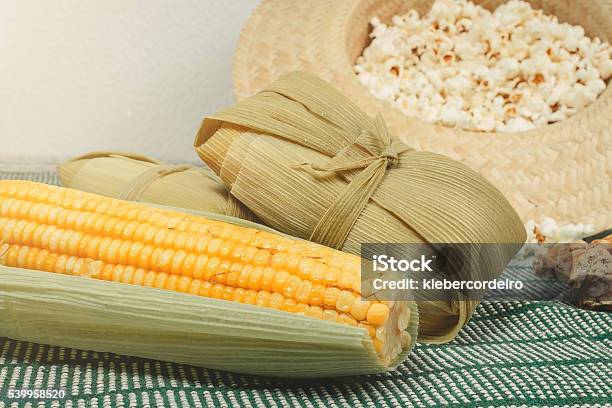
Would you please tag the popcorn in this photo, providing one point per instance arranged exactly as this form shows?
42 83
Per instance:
549 227
605 69
549 231
461 65
517 125
451 115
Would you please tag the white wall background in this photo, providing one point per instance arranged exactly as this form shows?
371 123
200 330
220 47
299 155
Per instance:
82 75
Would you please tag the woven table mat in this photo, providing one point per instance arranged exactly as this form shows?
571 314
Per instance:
540 354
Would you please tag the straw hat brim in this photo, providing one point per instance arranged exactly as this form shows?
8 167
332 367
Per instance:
563 170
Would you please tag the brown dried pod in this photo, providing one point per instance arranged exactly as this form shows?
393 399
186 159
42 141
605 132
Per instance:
585 267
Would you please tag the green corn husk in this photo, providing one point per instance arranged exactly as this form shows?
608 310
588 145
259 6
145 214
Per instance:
170 326
310 163
135 177
164 325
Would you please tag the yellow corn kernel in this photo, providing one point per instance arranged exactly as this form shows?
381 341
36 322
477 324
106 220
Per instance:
267 279
331 315
250 297
171 282
300 308
139 277
244 275
288 305
228 293
346 319
239 295
255 278
359 308
378 314
221 271
205 289
279 281
303 291
276 301
369 328
317 294
331 296
199 268
216 291
188 265
345 301
128 274
291 286
262 298
194 286
315 312
211 267
117 271
107 271
160 280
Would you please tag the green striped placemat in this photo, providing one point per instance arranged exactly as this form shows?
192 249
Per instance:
544 354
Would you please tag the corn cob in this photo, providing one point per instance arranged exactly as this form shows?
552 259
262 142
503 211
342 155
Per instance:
66 231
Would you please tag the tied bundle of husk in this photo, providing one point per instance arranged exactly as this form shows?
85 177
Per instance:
135 177
310 163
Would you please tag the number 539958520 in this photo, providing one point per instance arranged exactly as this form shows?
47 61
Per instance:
36 394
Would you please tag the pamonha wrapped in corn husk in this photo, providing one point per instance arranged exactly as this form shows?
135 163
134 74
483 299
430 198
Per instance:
308 162
135 177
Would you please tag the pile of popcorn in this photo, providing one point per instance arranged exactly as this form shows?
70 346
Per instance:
461 65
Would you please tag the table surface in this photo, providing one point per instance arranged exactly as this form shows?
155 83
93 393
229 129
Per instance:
510 354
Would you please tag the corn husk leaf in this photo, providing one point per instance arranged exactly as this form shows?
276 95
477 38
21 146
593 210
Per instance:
164 325
136 177
269 150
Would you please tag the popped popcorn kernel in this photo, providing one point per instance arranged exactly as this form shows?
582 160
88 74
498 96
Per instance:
463 66
549 231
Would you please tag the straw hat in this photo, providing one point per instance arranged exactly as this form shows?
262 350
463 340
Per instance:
562 170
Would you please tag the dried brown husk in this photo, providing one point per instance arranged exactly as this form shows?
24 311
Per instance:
272 151
135 177
585 267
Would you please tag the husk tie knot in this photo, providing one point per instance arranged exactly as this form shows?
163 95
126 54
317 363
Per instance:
371 147
390 155
381 153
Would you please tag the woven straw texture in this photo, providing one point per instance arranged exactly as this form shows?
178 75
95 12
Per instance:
532 354
563 170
